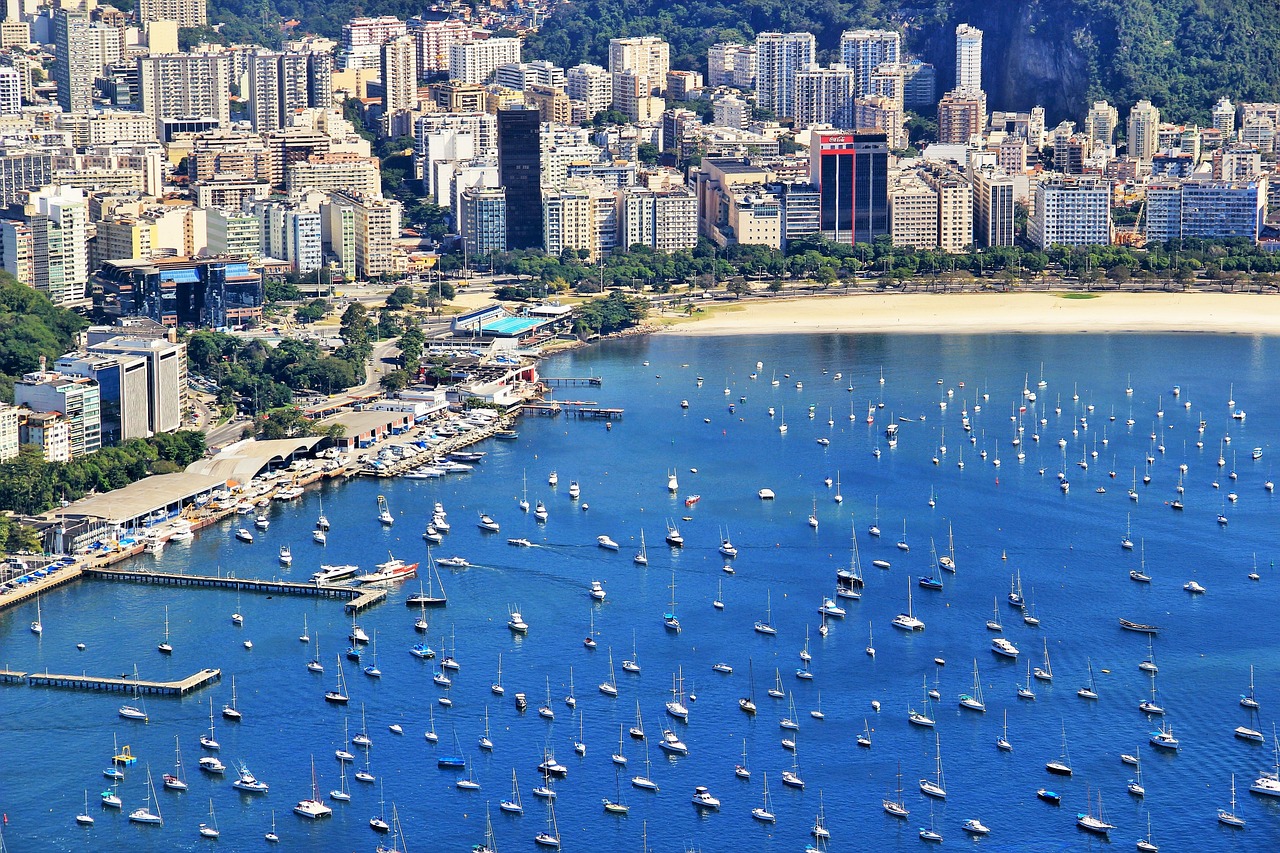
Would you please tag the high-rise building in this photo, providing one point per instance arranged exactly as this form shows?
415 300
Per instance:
475 61
921 84
280 86
968 58
520 172
591 85
433 39
1070 211
166 375
1224 118
10 91
863 51
551 103
363 37
851 171
483 220
376 229
186 85
1144 131
200 292
46 245
22 170
234 233
723 59
662 220
961 116
82 49
1100 124
186 13
122 390
993 208
913 214
648 56
633 96
291 232
580 216
825 96
778 57
955 209
9 445
1216 210
78 401
522 75
730 111
399 74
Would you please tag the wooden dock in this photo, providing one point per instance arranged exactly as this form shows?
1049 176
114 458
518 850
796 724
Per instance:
573 409
268 587
28 592
201 679
8 676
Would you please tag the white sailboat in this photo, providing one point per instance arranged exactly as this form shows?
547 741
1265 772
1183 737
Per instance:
935 787
973 699
145 815
641 557
896 807
766 627
908 621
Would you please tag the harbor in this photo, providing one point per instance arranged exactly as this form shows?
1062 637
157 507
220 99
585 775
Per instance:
514 603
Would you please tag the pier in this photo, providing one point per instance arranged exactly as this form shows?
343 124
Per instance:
368 597
8 676
571 381
203 678
269 587
574 409
429 456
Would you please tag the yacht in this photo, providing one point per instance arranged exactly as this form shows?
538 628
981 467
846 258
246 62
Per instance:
1163 739
607 543
1004 648
703 799
516 623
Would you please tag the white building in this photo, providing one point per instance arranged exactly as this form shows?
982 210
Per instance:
1144 131
825 96
648 56
522 75
482 220
362 39
433 39
399 67
865 50
662 220
10 91
1070 211
968 58
591 85
185 85
778 57
724 60
8 432
475 61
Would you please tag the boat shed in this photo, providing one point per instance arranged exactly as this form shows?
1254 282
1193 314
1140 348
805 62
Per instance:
241 462
367 427
117 514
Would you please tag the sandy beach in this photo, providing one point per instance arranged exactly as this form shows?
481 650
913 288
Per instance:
977 313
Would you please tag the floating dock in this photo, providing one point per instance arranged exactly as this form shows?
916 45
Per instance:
571 381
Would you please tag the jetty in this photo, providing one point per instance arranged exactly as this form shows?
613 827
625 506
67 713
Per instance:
574 409
571 381
196 681
268 587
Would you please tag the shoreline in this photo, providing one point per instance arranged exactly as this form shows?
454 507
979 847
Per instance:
988 313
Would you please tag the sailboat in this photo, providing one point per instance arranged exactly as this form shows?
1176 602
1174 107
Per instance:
176 781
742 771
338 695
1024 690
322 520
922 718
513 805
676 706
871 644
1045 673
545 711
764 813
928 833
632 664
314 664
766 627
637 731
642 556
645 783
144 815
993 624
1061 767
1091 823
610 687
341 794
908 621
208 741
748 702
231 712
902 544
973 699
136 709
485 743
1228 817
874 529
617 805
84 818
312 808
1002 742
1249 700
1135 785
669 619
1146 845
718 601
620 757
549 837
37 627
896 807
864 738
524 500
210 829
1089 691
776 690
935 787
165 648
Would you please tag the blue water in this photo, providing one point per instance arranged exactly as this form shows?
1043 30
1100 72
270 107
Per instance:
1066 547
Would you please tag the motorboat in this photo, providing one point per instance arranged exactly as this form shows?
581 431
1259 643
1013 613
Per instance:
703 799
1004 648
607 543
394 569
244 535
333 574
517 624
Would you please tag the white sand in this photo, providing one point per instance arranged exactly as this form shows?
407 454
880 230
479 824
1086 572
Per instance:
975 313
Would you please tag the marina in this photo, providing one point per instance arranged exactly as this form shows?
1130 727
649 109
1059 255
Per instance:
1012 521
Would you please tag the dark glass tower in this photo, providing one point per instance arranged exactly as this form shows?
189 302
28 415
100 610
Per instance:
520 171
851 170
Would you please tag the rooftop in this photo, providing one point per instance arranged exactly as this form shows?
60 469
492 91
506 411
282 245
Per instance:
138 499
242 461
